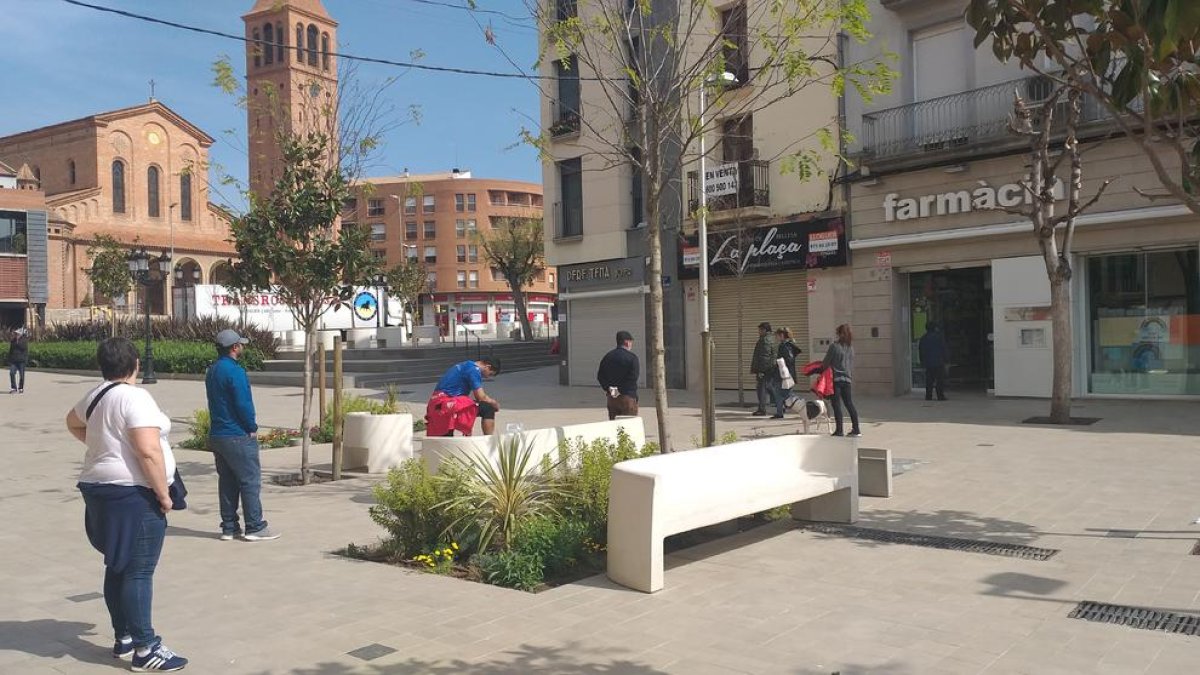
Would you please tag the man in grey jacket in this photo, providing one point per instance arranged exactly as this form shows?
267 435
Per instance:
762 364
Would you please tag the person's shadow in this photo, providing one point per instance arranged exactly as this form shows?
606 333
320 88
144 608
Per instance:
53 639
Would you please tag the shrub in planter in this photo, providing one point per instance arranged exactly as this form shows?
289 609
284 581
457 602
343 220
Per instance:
170 356
511 569
201 330
354 404
559 543
407 507
586 476
200 423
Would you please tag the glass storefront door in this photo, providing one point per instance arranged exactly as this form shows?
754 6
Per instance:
960 302
1144 315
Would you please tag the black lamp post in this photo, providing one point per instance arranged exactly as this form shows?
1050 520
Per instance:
381 283
145 271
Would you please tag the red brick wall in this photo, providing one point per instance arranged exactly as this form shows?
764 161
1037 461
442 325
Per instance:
12 278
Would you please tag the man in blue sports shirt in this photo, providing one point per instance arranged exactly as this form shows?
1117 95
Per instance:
466 379
233 439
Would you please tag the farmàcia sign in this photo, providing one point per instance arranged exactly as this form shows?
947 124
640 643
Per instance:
983 198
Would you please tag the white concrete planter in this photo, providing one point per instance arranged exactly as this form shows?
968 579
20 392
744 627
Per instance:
391 337
359 338
545 442
295 338
326 337
376 442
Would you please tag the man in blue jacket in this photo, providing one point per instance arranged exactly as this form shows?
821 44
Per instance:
233 439
933 352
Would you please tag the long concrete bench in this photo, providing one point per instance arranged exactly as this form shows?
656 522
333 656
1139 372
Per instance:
654 497
546 442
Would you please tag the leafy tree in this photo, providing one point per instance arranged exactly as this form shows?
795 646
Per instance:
644 64
109 272
408 279
516 247
1140 59
290 242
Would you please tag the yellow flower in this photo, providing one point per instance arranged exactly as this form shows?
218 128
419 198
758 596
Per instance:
454 545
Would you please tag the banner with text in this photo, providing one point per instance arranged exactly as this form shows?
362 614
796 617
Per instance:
768 248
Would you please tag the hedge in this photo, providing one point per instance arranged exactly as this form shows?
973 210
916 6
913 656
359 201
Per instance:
193 330
170 356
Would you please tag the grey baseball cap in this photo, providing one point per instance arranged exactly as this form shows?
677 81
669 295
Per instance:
229 338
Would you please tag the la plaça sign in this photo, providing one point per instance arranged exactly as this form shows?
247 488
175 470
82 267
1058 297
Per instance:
982 198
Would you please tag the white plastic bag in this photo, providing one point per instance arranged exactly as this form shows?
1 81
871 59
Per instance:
784 375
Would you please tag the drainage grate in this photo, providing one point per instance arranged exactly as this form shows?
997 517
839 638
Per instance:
931 541
1196 549
1137 617
372 651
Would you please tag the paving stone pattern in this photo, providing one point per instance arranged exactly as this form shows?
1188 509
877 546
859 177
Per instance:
776 599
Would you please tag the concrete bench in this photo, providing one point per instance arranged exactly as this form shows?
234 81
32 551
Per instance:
376 443
435 450
654 497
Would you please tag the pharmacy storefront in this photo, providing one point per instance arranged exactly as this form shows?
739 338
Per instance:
936 247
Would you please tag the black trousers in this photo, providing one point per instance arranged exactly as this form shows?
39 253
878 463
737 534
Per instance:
842 394
935 378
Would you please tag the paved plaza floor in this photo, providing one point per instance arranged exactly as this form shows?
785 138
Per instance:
1115 497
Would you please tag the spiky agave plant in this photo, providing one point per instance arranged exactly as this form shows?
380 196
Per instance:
494 497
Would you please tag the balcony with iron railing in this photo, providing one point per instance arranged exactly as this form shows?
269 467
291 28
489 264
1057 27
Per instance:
564 119
568 220
751 197
960 123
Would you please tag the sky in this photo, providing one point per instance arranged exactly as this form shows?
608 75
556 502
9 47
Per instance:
62 62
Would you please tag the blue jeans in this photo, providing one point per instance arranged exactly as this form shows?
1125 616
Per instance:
239 476
128 593
13 369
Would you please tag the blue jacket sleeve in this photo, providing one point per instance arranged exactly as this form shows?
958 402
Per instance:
243 402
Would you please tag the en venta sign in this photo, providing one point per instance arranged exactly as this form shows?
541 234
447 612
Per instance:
774 248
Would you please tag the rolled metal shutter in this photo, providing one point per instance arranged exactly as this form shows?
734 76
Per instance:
780 298
593 324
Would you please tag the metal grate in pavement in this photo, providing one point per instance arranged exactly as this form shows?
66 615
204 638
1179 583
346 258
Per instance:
1196 549
1137 617
371 651
933 541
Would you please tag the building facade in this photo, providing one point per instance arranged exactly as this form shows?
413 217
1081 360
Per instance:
776 243
930 246
24 241
137 174
434 217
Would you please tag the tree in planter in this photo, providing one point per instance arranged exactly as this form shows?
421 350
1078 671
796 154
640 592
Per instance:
109 272
1055 232
515 246
408 279
1136 58
290 243
645 64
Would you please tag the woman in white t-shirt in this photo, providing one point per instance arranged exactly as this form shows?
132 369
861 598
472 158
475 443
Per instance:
125 481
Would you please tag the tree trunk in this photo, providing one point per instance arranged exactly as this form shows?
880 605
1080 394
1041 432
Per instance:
310 349
657 352
1060 313
522 312
741 351
112 320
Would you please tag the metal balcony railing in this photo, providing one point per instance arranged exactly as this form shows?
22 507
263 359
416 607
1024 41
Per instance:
753 188
568 220
963 120
564 119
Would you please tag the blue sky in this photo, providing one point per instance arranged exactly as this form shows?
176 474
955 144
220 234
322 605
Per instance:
62 62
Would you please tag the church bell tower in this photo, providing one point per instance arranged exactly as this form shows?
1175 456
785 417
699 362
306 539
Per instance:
291 79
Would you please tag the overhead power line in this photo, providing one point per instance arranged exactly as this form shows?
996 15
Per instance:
350 57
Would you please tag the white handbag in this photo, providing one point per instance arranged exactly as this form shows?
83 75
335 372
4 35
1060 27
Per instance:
784 374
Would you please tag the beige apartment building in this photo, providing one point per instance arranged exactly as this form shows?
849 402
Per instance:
433 217
793 269
928 249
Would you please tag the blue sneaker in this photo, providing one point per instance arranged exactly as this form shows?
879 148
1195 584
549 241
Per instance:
122 647
158 659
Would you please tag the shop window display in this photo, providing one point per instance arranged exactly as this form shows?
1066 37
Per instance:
1144 314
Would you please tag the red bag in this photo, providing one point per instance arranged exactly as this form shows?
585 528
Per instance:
823 386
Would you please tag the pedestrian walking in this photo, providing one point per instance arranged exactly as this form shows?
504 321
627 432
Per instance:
451 407
762 365
233 439
934 353
18 357
618 377
840 359
787 350
129 484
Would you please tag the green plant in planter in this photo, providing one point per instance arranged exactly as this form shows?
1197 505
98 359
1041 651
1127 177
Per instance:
496 498
355 404
558 542
407 506
586 475
200 424
511 569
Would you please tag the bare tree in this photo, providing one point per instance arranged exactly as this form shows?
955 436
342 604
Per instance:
1055 232
515 247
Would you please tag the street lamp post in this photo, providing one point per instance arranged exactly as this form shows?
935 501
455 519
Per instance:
708 412
381 284
143 268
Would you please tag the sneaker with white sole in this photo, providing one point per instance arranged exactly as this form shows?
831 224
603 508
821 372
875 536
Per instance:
122 647
158 659
265 534
230 536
